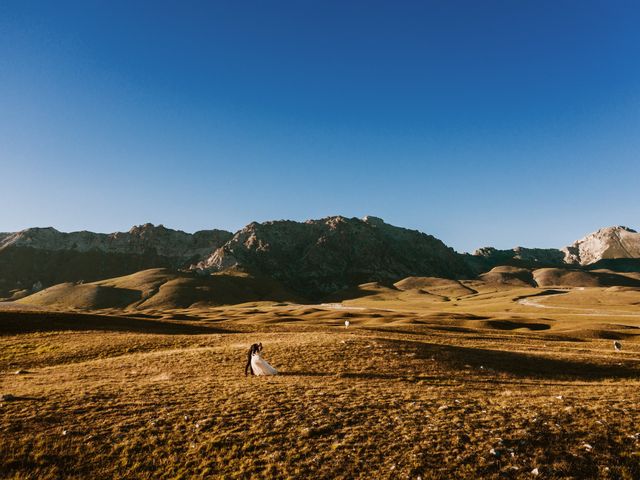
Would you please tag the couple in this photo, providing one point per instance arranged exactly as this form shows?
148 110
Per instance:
256 363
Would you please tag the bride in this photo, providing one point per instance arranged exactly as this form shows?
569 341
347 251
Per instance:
260 366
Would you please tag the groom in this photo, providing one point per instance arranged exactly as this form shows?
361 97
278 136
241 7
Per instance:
255 348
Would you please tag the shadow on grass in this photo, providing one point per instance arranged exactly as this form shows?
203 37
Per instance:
512 325
297 373
12 323
19 398
365 376
521 364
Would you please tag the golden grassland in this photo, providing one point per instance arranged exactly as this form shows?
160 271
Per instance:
430 381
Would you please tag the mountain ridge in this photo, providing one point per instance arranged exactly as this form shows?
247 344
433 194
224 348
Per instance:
314 257
332 253
38 257
166 241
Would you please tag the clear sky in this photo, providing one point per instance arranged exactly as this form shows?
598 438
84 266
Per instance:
497 123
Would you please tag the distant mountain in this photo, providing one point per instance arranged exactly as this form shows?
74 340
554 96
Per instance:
317 257
609 243
611 247
486 258
38 257
312 259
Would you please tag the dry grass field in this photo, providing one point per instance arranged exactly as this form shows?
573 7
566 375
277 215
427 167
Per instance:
431 380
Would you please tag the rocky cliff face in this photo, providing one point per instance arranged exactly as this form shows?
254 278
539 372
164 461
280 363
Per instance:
321 256
39 257
605 244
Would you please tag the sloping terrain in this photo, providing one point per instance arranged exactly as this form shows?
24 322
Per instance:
547 277
160 289
508 276
481 386
435 285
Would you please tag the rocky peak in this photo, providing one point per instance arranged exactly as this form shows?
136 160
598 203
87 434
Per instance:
617 242
148 228
373 220
320 256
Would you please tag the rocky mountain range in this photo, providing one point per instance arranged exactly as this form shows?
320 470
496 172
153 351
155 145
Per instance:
313 258
323 256
39 257
611 247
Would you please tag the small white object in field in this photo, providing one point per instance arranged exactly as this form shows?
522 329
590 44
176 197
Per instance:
587 447
559 397
535 471
347 323
617 345
64 432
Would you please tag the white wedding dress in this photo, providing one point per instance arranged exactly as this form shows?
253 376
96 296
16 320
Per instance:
260 366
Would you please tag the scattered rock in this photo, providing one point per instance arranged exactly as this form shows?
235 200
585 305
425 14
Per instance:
535 472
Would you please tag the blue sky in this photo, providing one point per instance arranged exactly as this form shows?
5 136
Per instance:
483 123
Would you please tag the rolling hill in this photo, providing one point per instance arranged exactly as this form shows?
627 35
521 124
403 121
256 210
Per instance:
160 288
